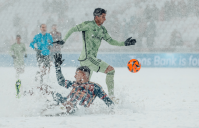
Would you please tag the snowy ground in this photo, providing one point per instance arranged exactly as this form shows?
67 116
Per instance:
152 98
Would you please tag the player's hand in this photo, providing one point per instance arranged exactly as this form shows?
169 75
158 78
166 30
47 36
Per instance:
61 42
25 55
58 59
13 56
130 41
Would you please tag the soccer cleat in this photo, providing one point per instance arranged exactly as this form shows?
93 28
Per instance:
18 85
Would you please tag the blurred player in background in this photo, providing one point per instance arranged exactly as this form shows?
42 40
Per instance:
93 32
44 41
18 52
56 48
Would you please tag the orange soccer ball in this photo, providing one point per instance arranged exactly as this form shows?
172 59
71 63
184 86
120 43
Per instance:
134 65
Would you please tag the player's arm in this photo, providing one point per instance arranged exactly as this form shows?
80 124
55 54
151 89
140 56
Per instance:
73 29
35 40
80 27
111 41
24 50
12 52
60 77
99 92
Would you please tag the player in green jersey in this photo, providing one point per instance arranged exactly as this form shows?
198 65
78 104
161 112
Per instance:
18 52
93 32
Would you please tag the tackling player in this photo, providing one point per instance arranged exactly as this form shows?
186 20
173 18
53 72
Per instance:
83 91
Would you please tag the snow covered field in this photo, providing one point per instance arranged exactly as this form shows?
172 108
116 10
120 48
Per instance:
152 98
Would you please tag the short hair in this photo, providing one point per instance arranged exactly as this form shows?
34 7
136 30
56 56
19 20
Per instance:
99 11
42 24
84 69
18 36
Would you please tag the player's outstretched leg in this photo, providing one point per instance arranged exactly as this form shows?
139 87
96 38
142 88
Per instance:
110 71
98 65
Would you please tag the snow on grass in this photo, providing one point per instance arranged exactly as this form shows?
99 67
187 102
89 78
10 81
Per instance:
153 97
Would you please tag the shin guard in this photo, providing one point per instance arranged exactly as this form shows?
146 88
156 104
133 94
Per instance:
110 82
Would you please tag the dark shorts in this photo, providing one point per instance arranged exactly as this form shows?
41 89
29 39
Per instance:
43 60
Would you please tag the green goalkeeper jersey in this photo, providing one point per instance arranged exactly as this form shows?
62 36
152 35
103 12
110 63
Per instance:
92 35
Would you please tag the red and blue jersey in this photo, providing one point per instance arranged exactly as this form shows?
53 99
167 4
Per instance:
84 94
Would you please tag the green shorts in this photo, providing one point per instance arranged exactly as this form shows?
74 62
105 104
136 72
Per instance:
95 64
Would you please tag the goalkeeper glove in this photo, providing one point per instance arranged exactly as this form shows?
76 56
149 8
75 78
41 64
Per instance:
58 59
61 42
130 41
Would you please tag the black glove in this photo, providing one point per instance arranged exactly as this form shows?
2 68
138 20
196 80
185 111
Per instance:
58 59
130 41
61 42
25 55
13 56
